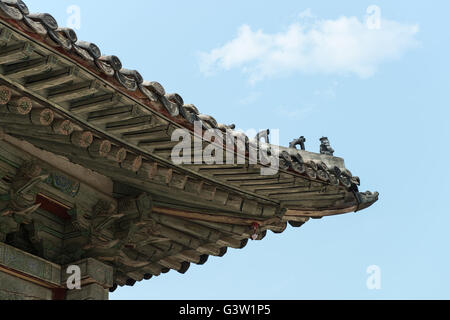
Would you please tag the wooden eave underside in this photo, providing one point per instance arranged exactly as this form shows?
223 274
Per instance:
196 211
178 240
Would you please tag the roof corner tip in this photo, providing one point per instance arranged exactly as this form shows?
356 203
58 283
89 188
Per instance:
366 199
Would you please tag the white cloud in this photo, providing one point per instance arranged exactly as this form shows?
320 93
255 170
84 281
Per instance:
342 46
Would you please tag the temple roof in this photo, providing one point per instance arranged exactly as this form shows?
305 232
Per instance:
109 119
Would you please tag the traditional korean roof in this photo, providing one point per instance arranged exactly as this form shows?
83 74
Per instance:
64 96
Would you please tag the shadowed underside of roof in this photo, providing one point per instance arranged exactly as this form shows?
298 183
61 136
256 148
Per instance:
63 96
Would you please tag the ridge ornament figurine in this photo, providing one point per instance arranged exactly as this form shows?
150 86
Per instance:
325 147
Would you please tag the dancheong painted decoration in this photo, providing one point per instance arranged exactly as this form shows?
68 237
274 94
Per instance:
87 177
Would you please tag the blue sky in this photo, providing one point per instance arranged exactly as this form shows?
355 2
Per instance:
311 69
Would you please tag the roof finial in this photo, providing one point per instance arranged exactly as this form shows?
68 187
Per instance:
298 142
325 147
